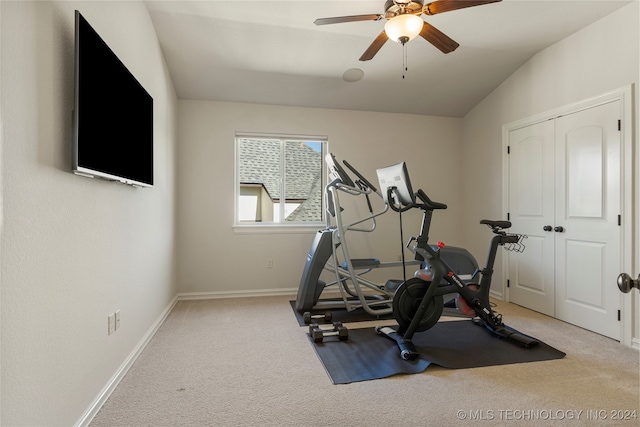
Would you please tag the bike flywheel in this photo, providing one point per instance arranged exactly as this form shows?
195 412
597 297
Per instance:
408 298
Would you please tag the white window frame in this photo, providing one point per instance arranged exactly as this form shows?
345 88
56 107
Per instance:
276 227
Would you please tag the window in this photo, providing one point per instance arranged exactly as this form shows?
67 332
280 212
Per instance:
280 180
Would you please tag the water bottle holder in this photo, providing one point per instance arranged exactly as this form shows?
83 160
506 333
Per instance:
516 247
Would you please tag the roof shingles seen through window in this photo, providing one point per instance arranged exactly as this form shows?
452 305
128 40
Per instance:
260 164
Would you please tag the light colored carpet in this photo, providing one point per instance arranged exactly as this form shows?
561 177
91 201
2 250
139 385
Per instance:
246 362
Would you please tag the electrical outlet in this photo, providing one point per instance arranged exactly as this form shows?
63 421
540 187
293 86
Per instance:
117 320
111 323
269 262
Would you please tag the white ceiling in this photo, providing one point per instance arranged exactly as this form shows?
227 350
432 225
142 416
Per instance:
270 52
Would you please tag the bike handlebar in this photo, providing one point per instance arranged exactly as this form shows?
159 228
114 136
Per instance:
428 202
399 207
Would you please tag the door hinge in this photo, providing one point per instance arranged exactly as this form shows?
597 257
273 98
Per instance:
508 149
619 124
508 283
508 216
618 315
619 219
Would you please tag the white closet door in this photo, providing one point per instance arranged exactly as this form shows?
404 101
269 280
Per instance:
588 205
531 209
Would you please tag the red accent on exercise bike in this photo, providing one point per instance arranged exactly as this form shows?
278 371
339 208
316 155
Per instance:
425 274
464 307
440 245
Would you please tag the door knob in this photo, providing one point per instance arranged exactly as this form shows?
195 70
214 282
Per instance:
547 228
558 229
626 283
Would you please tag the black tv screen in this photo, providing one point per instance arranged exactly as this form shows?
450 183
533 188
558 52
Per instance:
113 116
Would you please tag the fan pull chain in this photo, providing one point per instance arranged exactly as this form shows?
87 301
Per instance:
405 67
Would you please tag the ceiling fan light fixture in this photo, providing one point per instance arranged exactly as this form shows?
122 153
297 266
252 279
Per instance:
403 28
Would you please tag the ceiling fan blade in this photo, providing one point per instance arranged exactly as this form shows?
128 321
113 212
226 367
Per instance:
374 47
438 38
441 6
352 18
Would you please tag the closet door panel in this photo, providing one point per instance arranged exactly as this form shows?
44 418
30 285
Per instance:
588 205
531 209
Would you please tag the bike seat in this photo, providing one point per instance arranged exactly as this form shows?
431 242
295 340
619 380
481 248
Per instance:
496 224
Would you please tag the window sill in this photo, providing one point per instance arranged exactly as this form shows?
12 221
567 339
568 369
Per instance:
274 228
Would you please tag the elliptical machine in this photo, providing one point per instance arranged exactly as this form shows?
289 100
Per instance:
330 251
418 302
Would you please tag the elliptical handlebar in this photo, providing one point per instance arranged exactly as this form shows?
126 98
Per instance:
361 177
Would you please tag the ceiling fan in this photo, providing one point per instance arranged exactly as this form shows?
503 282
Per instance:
404 23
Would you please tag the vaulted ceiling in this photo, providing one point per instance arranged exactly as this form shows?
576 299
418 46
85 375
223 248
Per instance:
270 52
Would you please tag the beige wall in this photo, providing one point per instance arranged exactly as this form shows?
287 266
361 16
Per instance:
212 258
75 249
600 58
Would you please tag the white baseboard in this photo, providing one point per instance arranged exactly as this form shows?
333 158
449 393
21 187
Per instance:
88 416
497 295
236 294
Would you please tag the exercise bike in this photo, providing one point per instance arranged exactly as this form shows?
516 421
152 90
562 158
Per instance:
418 302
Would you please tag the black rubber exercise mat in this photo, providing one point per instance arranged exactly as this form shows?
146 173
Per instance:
454 344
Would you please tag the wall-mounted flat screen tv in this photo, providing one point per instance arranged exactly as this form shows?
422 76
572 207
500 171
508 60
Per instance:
113 115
